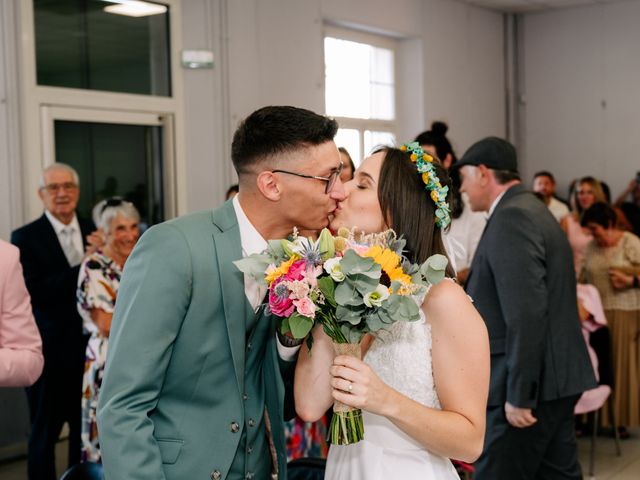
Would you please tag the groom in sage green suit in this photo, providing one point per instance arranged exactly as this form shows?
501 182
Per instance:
194 387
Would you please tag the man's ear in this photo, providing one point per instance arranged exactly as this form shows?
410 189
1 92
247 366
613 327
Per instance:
484 174
268 185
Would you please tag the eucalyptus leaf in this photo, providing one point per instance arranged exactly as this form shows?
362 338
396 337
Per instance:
346 294
434 268
300 325
354 264
254 265
327 287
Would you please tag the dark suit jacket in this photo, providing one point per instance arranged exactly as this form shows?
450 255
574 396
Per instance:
523 284
52 284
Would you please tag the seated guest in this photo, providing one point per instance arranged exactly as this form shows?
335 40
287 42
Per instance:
21 358
51 249
612 250
97 290
545 185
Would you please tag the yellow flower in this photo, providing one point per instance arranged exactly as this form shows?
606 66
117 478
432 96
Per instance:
434 195
425 177
283 269
427 157
390 263
414 157
403 148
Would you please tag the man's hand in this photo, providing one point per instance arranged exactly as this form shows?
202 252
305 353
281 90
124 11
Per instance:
519 417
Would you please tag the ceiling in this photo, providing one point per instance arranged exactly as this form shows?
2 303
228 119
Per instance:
523 6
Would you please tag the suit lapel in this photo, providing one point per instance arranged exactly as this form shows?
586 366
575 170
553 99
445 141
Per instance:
229 248
51 244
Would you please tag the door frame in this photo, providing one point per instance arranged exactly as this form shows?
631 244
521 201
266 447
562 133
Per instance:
50 113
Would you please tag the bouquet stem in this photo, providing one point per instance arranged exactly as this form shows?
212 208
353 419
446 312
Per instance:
346 424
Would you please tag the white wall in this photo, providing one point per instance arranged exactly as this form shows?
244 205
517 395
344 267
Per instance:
581 76
271 52
10 187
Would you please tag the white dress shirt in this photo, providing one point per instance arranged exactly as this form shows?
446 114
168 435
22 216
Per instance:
58 226
252 242
495 204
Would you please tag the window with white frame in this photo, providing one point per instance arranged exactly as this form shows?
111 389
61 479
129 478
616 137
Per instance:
360 89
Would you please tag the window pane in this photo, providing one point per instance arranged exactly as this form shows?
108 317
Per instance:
80 45
355 74
114 160
350 139
373 140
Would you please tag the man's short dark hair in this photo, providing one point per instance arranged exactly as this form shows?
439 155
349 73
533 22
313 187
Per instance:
505 176
277 130
545 173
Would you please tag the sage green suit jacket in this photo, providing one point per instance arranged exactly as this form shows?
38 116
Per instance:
173 384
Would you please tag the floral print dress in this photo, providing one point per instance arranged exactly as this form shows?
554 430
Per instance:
98 284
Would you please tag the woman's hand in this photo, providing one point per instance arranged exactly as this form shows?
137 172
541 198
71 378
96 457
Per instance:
620 280
355 384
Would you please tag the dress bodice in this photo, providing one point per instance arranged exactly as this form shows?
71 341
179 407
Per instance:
401 357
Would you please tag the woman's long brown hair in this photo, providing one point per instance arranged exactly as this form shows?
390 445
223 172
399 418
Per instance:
408 207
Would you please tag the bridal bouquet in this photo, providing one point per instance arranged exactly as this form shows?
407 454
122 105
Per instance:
351 285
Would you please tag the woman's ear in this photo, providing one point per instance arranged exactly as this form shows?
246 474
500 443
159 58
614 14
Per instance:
268 185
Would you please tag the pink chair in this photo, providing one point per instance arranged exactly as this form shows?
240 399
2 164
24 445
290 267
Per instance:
592 401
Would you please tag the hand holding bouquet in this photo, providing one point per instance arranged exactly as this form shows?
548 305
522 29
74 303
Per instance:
350 284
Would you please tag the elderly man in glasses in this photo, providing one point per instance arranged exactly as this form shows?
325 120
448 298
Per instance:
51 249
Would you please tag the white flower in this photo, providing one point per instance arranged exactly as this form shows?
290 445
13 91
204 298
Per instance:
375 298
334 269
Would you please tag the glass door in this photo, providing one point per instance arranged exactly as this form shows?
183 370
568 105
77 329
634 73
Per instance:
120 154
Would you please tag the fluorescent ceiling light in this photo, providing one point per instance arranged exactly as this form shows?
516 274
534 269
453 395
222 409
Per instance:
135 8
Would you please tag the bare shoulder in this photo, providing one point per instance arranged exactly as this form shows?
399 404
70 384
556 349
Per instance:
447 300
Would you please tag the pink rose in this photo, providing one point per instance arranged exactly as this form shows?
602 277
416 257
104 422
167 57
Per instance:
279 302
305 307
296 270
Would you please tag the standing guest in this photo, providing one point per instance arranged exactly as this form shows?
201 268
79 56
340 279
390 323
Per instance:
466 228
196 375
545 184
20 344
614 254
51 249
349 168
524 286
587 191
98 285
629 203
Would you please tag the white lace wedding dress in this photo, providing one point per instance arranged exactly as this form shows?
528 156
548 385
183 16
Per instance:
401 357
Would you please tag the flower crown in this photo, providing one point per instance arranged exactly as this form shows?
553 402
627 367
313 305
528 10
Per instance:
424 164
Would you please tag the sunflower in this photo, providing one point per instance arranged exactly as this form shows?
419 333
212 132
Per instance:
389 261
274 273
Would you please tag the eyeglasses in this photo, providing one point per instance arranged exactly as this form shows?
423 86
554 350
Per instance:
55 187
331 179
111 202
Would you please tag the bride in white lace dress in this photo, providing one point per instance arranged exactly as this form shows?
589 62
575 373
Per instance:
423 385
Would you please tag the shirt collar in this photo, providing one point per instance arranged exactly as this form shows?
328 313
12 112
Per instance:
58 226
251 240
495 204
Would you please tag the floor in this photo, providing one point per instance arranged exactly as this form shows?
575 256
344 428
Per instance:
608 466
